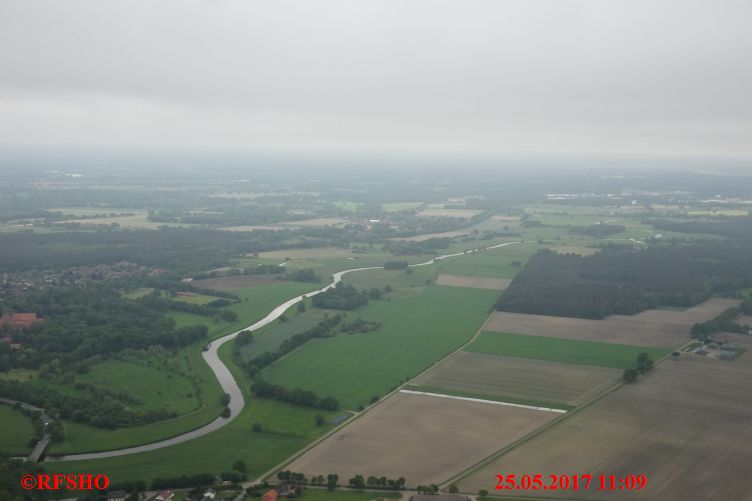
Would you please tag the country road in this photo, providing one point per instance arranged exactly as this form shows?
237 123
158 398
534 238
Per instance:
224 376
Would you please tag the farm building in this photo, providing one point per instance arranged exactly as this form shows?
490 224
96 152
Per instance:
270 495
165 496
18 321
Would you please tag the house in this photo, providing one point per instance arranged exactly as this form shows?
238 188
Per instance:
117 496
209 495
17 321
271 495
165 496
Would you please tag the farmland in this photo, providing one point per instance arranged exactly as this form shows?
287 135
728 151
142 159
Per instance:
689 414
525 381
416 331
473 282
561 350
406 436
235 282
655 328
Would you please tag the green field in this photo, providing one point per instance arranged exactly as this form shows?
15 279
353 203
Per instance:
286 429
17 431
343 495
197 380
496 263
398 206
561 350
417 330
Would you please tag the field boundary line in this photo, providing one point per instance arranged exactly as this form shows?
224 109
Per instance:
480 400
521 441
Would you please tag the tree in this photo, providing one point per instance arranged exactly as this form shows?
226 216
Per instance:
301 306
226 412
357 482
630 375
319 419
331 480
244 337
483 493
224 399
453 489
675 355
257 427
240 466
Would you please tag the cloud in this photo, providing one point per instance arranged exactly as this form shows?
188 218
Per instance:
425 75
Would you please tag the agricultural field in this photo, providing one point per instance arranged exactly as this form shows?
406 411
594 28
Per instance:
318 221
428 236
654 328
398 206
343 495
476 282
417 329
566 351
307 253
17 441
686 416
460 213
425 439
504 262
518 380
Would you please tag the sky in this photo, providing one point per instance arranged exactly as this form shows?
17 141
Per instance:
648 77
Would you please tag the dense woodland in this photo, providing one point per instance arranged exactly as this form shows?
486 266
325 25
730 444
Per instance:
342 297
627 281
81 322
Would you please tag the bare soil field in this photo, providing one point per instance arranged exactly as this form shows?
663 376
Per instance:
463 213
313 252
686 426
498 284
518 379
505 218
658 328
428 236
422 438
319 221
234 282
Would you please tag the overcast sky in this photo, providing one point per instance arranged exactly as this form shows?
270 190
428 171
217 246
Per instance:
507 76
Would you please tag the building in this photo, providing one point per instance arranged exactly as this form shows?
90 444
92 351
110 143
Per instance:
271 495
117 496
209 495
18 321
165 496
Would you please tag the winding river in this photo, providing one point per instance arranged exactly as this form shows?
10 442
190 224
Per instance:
224 376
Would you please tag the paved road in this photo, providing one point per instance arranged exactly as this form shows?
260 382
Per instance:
41 446
228 383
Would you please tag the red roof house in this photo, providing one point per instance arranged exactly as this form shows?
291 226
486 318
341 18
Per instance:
271 495
19 320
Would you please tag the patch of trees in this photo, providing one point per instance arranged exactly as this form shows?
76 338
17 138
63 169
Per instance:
156 301
395 265
103 413
341 297
296 396
81 322
184 481
627 281
359 326
643 365
303 275
724 321
597 230
735 227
